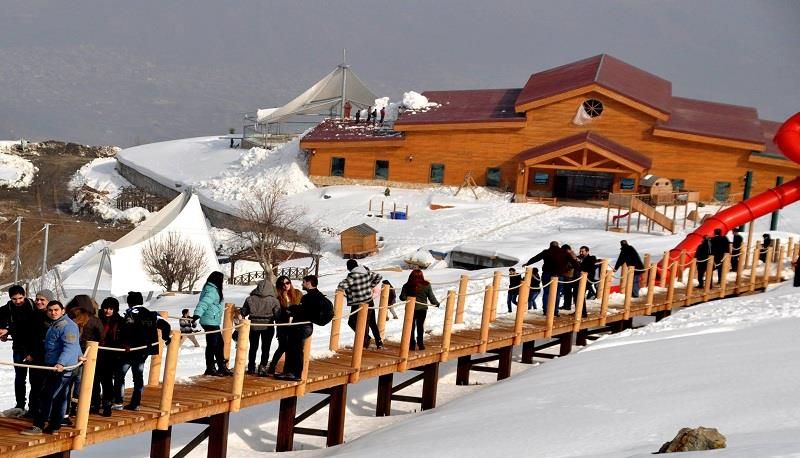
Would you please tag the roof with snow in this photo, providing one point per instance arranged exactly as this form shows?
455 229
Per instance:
481 105
338 130
325 95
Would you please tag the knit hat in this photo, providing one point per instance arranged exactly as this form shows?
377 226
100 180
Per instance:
47 294
352 264
135 298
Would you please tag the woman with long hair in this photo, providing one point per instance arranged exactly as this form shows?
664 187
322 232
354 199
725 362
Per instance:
82 309
108 361
209 312
287 295
420 288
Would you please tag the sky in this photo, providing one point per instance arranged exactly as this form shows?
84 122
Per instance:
127 73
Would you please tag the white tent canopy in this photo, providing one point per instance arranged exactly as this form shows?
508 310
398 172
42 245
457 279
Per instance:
125 270
327 93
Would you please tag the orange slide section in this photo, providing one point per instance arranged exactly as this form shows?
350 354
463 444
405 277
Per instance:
788 141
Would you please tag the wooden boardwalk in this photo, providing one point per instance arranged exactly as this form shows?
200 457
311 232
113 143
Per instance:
210 400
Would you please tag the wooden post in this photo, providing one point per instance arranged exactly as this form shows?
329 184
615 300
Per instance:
750 230
739 270
709 278
690 281
551 306
154 376
383 309
723 280
284 442
522 305
646 274
430 382
218 435
227 331
779 264
85 395
673 272
448 324
381 209
651 288
301 388
337 407
240 365
383 406
405 340
664 268
338 317
160 444
498 277
601 286
623 278
767 267
604 300
629 273
463 284
504 362
580 302
168 386
753 272
485 318
358 342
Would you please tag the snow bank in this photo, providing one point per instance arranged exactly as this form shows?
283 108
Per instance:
101 175
416 101
16 172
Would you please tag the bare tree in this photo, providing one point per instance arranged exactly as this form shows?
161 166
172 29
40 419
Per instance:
174 261
270 223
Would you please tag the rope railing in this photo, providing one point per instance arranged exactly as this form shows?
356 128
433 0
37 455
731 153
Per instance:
46 368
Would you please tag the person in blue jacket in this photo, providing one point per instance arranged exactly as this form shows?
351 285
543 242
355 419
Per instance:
62 351
209 312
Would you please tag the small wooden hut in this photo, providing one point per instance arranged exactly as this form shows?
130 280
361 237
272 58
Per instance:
359 241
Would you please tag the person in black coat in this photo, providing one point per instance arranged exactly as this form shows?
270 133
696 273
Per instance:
296 335
571 275
736 253
17 321
720 246
555 263
630 257
702 255
765 244
588 265
514 282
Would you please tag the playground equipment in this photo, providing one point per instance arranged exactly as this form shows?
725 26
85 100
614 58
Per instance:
788 141
647 205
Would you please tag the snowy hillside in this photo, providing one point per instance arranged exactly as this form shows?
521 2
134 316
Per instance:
15 172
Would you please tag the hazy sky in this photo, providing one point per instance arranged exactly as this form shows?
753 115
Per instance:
129 72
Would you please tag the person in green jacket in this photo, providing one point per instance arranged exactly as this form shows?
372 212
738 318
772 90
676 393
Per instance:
209 312
418 287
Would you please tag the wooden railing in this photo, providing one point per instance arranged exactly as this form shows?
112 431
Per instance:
651 213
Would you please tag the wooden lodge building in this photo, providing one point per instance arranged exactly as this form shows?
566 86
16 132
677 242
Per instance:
579 131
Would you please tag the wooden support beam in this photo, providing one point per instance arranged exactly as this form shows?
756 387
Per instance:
623 279
405 339
463 284
227 330
218 435
708 279
690 282
753 264
284 442
160 441
383 309
628 275
338 317
609 274
551 306
528 349
779 264
485 318
496 279
767 268
462 370
154 376
651 288
664 269
197 440
85 395
581 337
504 362
723 281
240 365
601 285
522 305
673 272
565 344
646 274
358 343
168 386
383 407
430 383
580 302
61 454
447 330
301 388
337 407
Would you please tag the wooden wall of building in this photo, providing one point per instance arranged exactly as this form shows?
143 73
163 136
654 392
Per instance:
461 151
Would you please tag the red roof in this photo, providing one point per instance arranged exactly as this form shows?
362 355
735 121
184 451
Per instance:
589 137
713 119
337 130
480 105
768 131
603 70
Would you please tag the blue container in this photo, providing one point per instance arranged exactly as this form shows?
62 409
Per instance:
399 215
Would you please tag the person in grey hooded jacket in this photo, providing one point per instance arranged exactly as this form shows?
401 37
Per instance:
261 307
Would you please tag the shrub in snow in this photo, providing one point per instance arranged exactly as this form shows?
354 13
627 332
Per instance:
691 440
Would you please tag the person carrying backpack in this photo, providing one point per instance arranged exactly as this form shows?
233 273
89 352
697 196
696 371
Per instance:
261 307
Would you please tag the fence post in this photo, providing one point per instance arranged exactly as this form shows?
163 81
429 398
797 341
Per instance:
485 318
358 342
383 310
664 267
301 387
85 395
626 311
646 274
463 284
227 330
239 366
739 269
448 324
551 306
580 302
601 286
651 288
154 376
336 323
498 276
609 274
753 272
405 339
709 277
690 281
671 288
779 264
522 305
168 386
723 281
767 267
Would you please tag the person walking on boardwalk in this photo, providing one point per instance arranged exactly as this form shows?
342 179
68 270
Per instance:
703 256
62 353
630 257
720 246
139 337
536 288
303 313
17 321
41 323
554 264
357 287
82 309
287 296
209 313
514 282
261 306
766 242
421 289
108 361
588 265
571 275
392 299
736 252
187 327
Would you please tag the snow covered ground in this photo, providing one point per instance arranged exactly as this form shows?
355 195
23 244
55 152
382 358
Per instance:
729 364
102 176
15 172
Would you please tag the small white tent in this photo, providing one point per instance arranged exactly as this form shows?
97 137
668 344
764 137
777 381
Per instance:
120 264
326 94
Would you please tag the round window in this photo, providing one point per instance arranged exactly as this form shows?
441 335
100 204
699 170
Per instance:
593 107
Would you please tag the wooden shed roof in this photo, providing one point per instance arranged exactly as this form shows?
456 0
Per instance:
362 229
468 106
589 138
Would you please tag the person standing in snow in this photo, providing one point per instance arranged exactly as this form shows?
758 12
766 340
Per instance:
630 257
209 312
765 244
421 289
514 282
187 327
357 287
261 306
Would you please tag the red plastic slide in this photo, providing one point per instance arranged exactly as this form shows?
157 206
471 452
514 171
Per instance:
788 140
